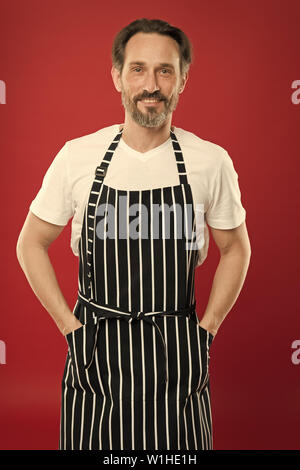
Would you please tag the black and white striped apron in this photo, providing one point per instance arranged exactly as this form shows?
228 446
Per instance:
136 375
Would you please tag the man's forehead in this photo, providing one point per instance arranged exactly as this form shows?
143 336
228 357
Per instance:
145 47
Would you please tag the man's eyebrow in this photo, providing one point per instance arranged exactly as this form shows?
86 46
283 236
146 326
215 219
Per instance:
165 64
162 64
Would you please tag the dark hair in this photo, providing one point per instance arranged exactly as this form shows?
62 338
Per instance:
144 25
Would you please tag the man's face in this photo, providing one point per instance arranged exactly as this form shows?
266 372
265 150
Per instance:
150 81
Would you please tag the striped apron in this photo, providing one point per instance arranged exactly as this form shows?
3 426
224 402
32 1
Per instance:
136 375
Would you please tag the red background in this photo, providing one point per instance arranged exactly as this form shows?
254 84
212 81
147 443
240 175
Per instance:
55 61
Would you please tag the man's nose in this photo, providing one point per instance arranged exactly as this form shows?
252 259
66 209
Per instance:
150 84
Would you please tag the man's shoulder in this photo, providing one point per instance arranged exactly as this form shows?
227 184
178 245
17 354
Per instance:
100 137
191 142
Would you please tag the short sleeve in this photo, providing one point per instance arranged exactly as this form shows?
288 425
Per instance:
53 202
225 210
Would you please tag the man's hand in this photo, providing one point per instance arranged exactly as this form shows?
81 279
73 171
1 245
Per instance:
74 325
207 326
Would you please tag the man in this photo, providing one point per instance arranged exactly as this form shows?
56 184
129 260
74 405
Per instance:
142 383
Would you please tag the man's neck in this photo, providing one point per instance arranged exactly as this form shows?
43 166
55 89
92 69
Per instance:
143 139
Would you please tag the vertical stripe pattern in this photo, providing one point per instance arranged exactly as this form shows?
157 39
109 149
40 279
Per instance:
136 375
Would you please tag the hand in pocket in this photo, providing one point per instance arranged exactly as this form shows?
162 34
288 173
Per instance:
75 326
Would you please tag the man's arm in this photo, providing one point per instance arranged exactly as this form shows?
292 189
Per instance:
32 252
235 252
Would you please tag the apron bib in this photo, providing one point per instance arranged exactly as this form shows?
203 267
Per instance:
136 375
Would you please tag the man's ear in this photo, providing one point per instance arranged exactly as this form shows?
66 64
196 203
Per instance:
116 76
183 82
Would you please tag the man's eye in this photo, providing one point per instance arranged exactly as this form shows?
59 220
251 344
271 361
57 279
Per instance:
137 69
165 71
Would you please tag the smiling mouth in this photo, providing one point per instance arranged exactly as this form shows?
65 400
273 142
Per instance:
148 101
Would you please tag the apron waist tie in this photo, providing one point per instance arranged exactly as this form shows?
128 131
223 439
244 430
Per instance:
104 311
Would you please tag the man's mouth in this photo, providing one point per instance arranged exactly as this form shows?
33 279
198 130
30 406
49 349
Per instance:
150 100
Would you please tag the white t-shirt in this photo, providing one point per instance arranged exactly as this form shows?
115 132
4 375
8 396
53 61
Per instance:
214 182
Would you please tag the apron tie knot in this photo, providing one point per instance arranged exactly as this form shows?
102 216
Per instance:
104 311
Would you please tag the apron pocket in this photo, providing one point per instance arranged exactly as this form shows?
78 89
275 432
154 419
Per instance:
208 333
69 335
75 344
204 340
81 344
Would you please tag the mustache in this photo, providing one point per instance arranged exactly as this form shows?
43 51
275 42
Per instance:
156 95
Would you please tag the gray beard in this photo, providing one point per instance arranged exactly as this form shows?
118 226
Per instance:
151 118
